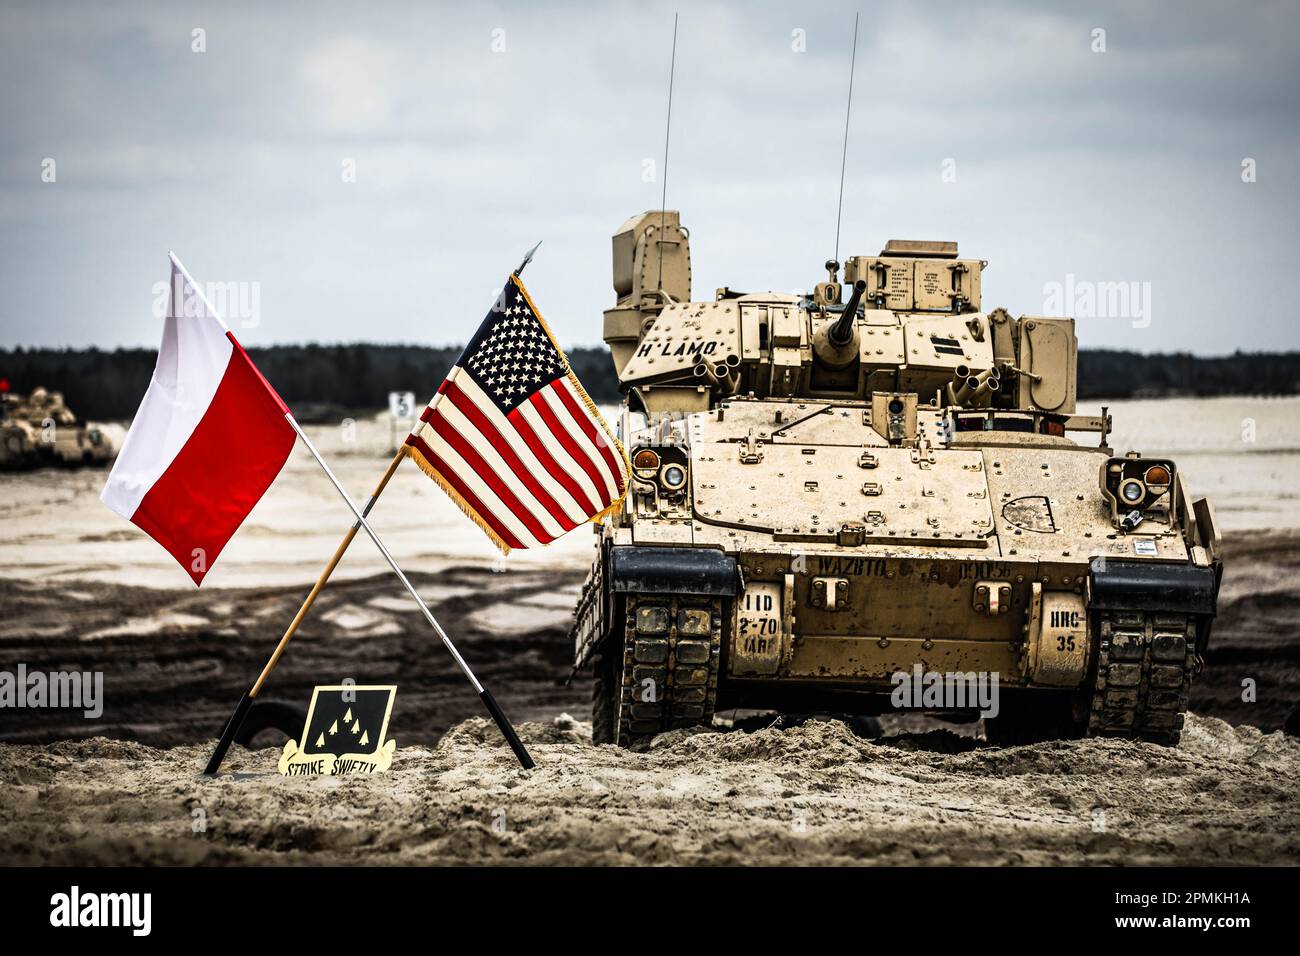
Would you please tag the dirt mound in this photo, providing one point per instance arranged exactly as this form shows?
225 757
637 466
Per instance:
811 794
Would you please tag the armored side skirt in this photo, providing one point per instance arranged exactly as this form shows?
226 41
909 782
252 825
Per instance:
1119 585
628 570
673 571
1145 586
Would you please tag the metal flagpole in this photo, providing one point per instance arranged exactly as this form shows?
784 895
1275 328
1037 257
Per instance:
236 720
498 715
489 701
241 710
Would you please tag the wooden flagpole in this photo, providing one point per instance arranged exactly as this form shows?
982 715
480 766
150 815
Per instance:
241 710
236 720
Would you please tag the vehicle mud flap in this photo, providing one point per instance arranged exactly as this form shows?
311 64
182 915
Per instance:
1150 586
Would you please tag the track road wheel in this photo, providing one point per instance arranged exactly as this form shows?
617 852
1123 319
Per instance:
672 648
1145 666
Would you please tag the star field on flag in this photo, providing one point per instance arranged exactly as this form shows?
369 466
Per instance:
512 436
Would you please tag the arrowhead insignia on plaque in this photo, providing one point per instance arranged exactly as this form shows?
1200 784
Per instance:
344 733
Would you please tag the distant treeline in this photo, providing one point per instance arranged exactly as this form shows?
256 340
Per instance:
315 380
322 379
1104 373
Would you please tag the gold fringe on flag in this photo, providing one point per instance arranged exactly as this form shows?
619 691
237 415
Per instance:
413 453
591 407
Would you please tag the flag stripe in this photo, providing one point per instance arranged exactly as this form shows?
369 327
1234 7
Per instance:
464 475
551 441
485 472
580 442
437 464
448 421
562 457
476 417
448 416
280 406
566 440
564 389
521 425
578 513
468 477
182 388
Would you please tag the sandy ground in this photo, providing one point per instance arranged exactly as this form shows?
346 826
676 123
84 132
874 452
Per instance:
812 794
81 589
176 661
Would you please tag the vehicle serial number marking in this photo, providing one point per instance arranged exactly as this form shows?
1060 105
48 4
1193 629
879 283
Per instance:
758 628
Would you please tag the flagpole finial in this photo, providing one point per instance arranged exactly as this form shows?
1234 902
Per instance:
528 258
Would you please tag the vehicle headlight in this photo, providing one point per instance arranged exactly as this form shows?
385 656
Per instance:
1132 491
1157 476
673 477
1137 488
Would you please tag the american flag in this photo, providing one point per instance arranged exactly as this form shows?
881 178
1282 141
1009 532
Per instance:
512 436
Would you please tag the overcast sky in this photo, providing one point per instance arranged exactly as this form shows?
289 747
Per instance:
998 126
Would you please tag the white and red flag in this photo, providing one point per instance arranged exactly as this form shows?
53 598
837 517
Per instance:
512 436
210 436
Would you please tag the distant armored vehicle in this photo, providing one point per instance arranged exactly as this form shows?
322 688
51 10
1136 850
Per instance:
41 430
833 490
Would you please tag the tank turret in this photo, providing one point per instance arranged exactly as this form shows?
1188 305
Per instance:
912 324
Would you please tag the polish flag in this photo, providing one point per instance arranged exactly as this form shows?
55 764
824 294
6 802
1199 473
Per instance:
209 438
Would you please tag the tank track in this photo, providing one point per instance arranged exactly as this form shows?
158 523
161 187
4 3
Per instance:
684 671
1145 666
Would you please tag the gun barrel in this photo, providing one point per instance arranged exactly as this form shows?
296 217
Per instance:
963 390
841 333
987 386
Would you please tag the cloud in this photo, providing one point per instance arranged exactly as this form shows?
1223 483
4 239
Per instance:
352 84
1120 166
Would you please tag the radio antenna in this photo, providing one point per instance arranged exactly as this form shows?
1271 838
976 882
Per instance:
668 128
844 156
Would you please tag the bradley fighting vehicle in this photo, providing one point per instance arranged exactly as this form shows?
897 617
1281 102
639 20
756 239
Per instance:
830 489
41 430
